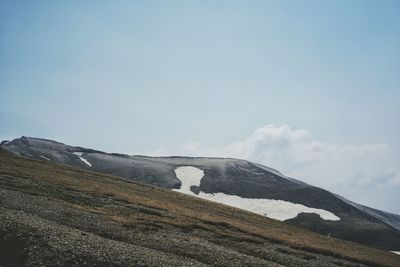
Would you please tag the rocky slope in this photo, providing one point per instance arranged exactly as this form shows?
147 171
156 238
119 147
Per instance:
55 215
235 182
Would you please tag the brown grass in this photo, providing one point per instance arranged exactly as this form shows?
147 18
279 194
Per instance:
177 210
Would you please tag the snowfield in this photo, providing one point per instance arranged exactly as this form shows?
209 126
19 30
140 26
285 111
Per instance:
79 154
188 176
396 252
275 209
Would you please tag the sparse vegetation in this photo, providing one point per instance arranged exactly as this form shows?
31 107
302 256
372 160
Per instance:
75 217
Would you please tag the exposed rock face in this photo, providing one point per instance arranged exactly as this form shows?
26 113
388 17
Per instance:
231 177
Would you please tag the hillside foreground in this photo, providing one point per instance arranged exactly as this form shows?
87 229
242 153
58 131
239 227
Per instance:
56 215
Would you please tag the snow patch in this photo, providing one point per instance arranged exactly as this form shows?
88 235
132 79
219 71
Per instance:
396 252
79 154
191 176
44 157
275 209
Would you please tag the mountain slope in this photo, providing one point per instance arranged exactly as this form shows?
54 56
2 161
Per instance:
53 214
236 182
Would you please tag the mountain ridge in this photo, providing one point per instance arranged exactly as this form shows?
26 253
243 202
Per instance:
230 177
53 214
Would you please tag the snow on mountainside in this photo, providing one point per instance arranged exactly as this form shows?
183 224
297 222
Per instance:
235 182
275 209
79 154
58 215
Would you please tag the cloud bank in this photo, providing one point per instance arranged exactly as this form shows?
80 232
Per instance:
362 173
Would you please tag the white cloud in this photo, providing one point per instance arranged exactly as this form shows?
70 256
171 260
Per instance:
294 152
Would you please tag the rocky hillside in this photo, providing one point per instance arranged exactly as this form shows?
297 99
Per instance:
56 215
234 182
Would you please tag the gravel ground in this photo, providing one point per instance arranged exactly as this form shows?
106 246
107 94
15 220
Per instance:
55 234
51 215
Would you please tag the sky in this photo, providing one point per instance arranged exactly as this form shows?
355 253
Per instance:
311 88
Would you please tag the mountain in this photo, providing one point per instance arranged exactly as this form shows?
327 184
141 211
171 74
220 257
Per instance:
59 215
234 182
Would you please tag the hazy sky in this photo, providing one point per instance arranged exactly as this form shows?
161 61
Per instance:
309 87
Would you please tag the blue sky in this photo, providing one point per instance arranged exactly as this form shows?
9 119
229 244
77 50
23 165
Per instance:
151 76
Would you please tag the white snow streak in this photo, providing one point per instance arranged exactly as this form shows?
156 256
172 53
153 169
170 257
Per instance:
276 209
79 154
396 252
44 157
